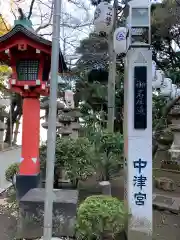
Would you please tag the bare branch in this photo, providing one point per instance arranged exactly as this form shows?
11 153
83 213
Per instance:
31 9
45 34
43 26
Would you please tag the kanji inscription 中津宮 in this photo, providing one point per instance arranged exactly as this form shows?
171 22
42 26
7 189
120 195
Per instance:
139 181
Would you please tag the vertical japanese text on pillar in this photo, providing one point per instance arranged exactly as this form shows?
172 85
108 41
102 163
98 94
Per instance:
139 181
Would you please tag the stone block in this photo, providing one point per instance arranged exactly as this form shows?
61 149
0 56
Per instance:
165 184
164 202
32 213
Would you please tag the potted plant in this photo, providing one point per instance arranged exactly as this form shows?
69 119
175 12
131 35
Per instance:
100 217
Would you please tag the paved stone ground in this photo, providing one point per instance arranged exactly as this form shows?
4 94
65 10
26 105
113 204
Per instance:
7 157
166 202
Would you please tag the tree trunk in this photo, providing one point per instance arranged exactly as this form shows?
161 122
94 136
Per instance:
16 112
16 130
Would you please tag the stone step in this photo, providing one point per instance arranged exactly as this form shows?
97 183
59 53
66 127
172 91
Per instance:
167 203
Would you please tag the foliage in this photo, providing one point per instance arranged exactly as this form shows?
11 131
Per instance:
94 102
95 50
109 142
81 157
94 54
12 171
96 2
4 26
108 151
76 156
42 156
98 215
5 71
157 110
165 35
16 104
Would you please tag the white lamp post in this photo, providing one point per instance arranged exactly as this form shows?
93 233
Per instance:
138 121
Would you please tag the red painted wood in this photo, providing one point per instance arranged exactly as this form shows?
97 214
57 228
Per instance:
30 137
19 37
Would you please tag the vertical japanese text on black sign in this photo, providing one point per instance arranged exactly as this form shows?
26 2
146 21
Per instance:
140 97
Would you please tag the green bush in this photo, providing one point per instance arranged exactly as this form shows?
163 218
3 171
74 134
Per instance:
109 152
75 156
100 215
11 171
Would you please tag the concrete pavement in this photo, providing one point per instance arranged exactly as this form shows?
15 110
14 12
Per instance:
7 157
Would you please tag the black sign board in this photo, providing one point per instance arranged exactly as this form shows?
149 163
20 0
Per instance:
140 97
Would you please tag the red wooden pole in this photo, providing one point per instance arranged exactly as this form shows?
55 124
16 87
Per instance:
30 164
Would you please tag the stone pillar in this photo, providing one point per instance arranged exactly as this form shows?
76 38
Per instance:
45 106
67 125
164 140
175 128
69 120
65 121
138 141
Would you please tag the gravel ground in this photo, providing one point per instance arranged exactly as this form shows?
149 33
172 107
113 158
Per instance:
166 226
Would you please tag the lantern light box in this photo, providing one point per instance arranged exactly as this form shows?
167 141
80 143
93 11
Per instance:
103 18
120 40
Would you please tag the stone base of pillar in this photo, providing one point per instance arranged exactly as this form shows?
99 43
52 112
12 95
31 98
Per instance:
138 235
24 183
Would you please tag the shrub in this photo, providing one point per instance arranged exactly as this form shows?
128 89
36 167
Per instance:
11 171
76 156
109 151
78 159
99 215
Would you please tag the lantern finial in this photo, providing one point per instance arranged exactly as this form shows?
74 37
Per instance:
21 14
23 20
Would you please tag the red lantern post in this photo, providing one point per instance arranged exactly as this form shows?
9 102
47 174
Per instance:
29 56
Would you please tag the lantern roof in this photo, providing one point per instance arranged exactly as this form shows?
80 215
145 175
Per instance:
24 22
24 27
